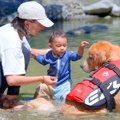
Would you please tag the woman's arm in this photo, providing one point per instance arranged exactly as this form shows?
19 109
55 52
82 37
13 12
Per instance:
35 52
18 80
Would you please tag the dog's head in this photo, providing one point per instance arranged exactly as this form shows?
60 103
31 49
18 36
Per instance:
99 53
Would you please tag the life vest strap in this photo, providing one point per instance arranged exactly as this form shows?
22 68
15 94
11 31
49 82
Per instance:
112 67
109 98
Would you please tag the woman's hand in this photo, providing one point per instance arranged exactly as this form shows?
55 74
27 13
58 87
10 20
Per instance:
49 80
36 52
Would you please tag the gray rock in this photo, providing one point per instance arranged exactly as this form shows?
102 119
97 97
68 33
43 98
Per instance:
101 8
115 11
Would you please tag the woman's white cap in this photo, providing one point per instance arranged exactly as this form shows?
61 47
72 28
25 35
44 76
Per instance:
34 11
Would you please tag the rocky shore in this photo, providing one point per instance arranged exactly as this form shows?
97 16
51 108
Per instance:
71 9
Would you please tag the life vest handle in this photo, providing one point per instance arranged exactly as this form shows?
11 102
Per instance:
112 67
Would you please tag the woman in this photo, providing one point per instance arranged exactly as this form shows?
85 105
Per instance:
15 51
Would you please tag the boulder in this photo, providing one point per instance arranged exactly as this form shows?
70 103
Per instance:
101 8
8 7
54 11
115 11
87 29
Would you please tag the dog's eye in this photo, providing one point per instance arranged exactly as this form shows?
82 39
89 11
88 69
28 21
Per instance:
90 57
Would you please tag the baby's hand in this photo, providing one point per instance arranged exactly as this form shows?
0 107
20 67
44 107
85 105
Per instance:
84 43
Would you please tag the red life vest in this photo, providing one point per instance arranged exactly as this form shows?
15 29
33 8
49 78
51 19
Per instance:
90 94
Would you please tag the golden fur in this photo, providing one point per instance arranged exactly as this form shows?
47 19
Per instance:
98 53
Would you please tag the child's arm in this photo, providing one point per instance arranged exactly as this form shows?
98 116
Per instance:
40 55
81 47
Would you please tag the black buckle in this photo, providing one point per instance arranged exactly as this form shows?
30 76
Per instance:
111 66
95 81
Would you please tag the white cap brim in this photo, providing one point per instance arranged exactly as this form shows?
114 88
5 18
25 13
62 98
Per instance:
46 22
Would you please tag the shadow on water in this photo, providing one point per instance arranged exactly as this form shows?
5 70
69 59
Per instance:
111 34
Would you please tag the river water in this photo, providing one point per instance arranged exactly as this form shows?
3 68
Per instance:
111 34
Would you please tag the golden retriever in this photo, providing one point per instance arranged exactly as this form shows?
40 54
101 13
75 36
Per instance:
98 53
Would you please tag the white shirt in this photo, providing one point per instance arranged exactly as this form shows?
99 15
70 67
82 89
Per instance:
11 53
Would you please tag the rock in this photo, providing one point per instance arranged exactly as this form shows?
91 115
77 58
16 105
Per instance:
72 10
7 7
115 11
101 8
54 11
87 29
67 11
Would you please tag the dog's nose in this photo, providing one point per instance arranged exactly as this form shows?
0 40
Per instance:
81 66
84 69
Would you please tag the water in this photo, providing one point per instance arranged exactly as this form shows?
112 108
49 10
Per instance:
112 34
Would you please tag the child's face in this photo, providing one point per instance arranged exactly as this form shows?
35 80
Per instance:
59 46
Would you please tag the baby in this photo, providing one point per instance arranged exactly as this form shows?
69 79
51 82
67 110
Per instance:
58 57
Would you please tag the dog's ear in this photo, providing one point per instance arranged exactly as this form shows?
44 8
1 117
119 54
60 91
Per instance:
99 59
95 60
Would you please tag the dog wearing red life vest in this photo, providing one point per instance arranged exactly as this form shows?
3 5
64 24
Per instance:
86 103
98 54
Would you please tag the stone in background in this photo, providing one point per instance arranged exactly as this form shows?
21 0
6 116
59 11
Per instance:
59 9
